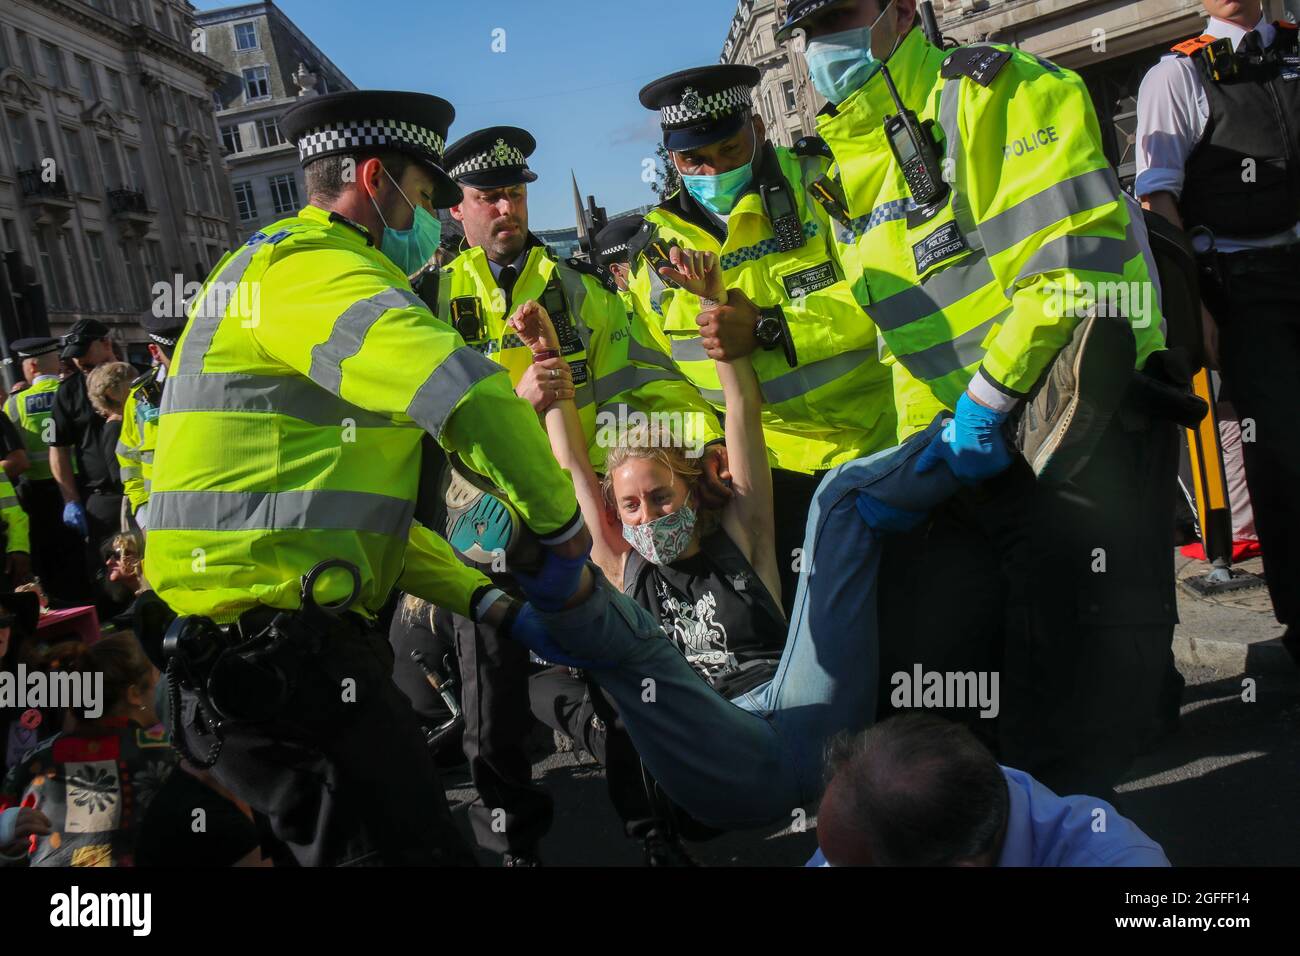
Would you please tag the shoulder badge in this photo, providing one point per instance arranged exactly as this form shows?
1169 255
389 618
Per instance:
1193 46
812 146
1285 25
979 62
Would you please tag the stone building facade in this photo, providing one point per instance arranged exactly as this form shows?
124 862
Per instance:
784 97
268 65
111 179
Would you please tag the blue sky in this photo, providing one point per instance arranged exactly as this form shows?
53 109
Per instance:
569 74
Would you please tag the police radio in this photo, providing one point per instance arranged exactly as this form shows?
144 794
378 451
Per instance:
916 150
781 212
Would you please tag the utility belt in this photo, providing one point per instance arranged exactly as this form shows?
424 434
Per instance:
284 672
1218 269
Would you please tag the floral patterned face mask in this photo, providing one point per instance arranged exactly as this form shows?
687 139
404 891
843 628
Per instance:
662 540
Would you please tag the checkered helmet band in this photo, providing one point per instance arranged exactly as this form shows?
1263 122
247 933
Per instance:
352 135
500 156
621 247
695 108
167 340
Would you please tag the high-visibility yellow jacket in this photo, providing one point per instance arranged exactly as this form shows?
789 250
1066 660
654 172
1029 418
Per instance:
291 427
17 537
984 291
32 410
836 403
136 444
618 364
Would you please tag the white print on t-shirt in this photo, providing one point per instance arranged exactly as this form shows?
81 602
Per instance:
693 629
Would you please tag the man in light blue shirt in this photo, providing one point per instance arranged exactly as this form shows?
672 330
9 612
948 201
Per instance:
917 790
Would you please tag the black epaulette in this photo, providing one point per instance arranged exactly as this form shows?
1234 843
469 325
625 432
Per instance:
812 146
143 379
591 269
980 62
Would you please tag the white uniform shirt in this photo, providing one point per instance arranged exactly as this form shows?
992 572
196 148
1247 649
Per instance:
1173 113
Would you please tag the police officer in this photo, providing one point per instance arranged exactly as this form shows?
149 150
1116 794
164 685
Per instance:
613 253
983 246
608 360
136 443
827 397
31 410
57 549
290 435
1218 153
78 457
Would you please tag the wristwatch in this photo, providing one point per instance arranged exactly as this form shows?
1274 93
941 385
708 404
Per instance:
768 329
771 330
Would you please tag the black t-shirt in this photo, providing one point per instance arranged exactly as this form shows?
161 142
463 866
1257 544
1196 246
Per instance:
108 438
712 605
77 425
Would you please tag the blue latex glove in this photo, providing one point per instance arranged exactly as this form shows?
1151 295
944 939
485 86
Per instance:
554 582
528 629
971 444
74 516
886 518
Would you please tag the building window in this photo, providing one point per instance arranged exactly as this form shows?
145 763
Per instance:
230 140
791 104
217 104
134 167
244 203
25 52
245 36
268 131
4 52
10 235
68 254
99 267
257 84
120 96
197 187
45 143
108 162
22 143
54 288
284 193
54 64
89 85
80 178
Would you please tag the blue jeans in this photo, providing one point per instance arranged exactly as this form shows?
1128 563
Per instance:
757 760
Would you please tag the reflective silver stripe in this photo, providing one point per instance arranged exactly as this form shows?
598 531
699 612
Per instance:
130 471
147 485
8 502
689 350
1088 253
318 510
1047 207
939 360
39 455
584 395
636 352
438 397
146 457
204 319
949 122
630 377
11 408
937 292
349 332
264 394
802 380
126 451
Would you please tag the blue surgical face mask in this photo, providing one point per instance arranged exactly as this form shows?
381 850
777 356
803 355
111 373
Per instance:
410 248
719 194
841 63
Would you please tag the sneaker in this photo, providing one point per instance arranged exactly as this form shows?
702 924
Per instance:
480 525
1067 412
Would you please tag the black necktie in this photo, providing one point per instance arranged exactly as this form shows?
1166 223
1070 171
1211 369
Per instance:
1251 44
506 280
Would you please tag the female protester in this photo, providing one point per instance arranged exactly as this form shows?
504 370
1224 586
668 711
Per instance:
710 579
94 782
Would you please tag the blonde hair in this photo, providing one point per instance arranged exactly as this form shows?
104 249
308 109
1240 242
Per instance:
654 442
107 387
